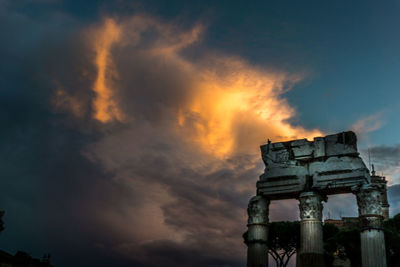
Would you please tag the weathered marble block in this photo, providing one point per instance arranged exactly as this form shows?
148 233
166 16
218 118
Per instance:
330 165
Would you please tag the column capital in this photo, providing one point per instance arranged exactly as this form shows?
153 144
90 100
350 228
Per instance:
311 206
258 210
369 201
256 237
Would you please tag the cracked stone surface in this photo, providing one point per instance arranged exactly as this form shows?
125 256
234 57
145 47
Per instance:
330 165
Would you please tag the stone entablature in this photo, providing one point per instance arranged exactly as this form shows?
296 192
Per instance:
330 165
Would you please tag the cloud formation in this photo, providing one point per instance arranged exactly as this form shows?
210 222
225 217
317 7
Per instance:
218 102
368 124
127 142
104 106
187 148
148 146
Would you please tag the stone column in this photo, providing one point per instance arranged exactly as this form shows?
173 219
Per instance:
379 182
373 251
385 211
311 252
257 233
385 203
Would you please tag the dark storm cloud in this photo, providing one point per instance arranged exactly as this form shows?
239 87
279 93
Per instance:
57 201
139 72
191 199
202 207
386 160
139 191
49 190
389 155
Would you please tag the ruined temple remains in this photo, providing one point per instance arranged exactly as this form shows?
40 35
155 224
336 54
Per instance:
310 171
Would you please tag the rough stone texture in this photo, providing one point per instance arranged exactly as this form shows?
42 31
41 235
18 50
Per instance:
257 233
369 200
330 165
309 170
258 210
380 183
310 206
311 245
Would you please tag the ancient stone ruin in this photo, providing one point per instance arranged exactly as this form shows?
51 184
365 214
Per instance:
310 171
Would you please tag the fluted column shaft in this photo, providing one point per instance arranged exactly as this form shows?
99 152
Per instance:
257 233
311 244
373 252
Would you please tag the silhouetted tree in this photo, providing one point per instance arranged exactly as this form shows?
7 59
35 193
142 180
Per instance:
21 258
330 245
349 239
283 241
343 242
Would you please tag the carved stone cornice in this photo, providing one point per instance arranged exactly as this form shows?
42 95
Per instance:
258 210
310 206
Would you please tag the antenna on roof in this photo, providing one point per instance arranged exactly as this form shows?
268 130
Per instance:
373 170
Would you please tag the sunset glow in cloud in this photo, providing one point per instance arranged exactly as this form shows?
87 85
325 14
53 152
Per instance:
191 126
238 106
104 104
141 121
230 106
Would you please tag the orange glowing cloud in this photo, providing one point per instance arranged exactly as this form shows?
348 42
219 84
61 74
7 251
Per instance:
112 34
232 106
105 107
222 106
237 106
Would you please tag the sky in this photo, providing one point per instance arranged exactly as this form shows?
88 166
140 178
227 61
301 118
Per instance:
131 129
